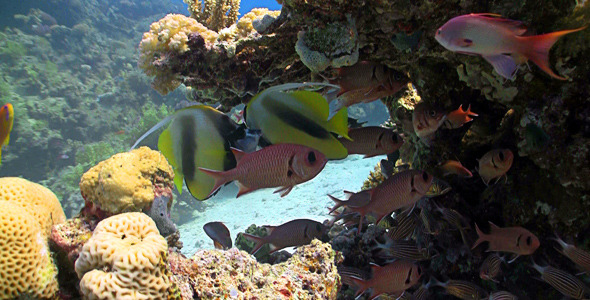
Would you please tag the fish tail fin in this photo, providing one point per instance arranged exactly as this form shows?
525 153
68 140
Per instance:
339 203
221 178
363 285
481 237
537 49
335 117
469 112
259 242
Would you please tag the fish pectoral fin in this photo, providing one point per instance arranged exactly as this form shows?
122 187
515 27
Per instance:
243 189
284 191
513 259
505 65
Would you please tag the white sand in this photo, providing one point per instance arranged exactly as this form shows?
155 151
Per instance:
307 200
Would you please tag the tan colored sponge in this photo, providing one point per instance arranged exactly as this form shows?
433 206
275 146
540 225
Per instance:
124 259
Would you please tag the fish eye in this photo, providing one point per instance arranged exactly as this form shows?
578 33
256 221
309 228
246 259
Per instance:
311 157
501 155
529 240
397 77
425 176
419 271
438 32
432 113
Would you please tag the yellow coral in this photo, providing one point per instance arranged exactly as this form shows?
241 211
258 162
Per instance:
26 267
41 203
168 34
216 14
124 259
125 182
244 26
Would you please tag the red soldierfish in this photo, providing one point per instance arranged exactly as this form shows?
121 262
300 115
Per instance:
6 120
293 233
219 233
578 256
501 42
280 165
426 120
393 278
495 164
509 239
372 141
401 190
458 117
455 167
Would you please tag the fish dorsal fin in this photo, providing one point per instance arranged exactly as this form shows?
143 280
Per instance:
239 154
375 268
514 26
339 123
493 227
269 228
156 127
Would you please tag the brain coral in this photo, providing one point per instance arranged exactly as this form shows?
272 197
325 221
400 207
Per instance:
169 34
41 203
124 259
128 181
26 267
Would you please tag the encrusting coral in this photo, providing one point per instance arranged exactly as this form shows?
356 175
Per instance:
128 181
26 266
41 203
125 259
310 273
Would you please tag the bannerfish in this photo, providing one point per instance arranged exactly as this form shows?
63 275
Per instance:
366 82
501 42
197 137
299 117
460 289
401 190
293 233
575 254
6 120
459 117
426 120
249 142
455 167
372 141
564 282
502 295
515 240
491 267
220 235
280 165
393 278
494 164
387 166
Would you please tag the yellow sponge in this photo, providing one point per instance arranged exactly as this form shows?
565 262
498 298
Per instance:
124 259
26 267
41 203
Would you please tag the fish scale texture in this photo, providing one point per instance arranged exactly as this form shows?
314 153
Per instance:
41 203
124 259
26 267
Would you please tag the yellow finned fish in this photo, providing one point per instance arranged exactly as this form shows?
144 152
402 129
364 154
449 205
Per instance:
6 120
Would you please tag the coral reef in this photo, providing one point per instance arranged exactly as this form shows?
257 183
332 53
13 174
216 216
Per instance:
39 201
128 181
217 14
126 257
212 274
26 265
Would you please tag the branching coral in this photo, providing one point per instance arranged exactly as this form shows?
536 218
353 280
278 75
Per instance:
215 14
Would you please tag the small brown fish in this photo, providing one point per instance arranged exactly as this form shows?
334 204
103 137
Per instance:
426 120
459 117
502 295
372 141
421 293
395 277
495 164
280 165
575 254
508 239
457 220
491 267
293 233
430 226
402 249
219 233
354 200
461 289
455 167
401 190
406 225
564 282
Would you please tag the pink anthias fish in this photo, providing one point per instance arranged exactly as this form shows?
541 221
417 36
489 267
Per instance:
459 117
501 42
393 278
280 165
455 167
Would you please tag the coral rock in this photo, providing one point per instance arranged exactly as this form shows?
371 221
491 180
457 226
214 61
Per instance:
128 181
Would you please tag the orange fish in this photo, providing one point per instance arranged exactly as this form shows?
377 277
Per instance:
6 120
455 167
459 117
578 256
393 278
293 233
495 164
372 141
501 42
401 190
515 240
426 120
280 165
